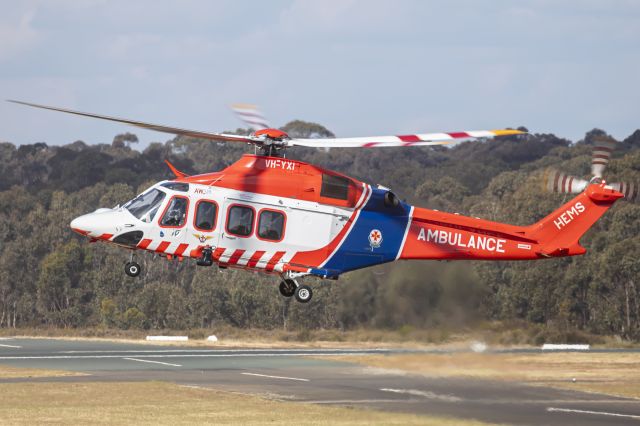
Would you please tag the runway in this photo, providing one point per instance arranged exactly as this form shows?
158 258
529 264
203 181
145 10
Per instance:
312 376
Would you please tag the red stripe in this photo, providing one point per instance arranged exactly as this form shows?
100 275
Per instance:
570 184
217 253
144 243
409 138
370 144
235 257
105 236
255 259
80 231
458 135
274 259
163 246
181 248
564 181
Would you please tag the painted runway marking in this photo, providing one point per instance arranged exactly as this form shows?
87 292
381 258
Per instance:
276 377
154 362
424 394
599 413
11 346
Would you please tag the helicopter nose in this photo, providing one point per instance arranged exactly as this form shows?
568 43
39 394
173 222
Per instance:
83 225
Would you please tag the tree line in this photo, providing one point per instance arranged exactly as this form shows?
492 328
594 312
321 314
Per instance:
50 276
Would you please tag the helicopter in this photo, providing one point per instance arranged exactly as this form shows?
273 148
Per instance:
271 214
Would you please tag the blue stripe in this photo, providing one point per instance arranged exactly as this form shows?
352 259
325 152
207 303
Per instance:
356 252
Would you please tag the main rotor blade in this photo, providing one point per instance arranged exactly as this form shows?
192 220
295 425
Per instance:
251 115
601 155
222 137
562 183
404 140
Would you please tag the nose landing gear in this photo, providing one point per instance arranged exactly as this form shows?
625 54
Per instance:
290 287
132 268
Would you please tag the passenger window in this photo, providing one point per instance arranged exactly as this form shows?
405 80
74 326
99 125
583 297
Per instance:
335 187
176 213
206 213
271 225
240 221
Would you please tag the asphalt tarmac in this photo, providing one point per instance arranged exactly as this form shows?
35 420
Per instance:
310 375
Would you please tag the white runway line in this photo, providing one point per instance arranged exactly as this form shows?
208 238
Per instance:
600 413
154 362
424 394
11 346
275 377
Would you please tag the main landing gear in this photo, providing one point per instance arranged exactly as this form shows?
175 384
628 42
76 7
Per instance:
290 287
132 268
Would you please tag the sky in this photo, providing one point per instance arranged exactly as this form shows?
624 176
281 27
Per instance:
359 67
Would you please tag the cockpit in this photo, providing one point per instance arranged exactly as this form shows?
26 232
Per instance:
146 205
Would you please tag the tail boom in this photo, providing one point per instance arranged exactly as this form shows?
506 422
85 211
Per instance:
438 235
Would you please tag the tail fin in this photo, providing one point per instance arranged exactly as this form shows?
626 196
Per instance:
559 233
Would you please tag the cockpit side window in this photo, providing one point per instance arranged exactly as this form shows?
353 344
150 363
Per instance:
176 213
145 206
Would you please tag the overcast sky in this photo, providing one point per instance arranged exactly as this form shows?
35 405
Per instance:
359 67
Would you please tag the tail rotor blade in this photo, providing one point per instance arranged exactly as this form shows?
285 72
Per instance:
602 150
630 190
562 183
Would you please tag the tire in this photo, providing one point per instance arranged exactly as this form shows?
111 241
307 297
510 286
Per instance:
303 294
287 288
132 269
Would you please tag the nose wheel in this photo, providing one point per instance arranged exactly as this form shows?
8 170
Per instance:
132 269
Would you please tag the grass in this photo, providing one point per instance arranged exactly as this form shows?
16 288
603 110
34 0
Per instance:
160 403
495 333
8 372
611 373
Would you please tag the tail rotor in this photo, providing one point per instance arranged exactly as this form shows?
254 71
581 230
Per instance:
561 183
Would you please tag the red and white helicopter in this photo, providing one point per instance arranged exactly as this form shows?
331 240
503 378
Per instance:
279 216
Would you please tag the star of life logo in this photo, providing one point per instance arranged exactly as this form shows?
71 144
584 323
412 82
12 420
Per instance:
375 238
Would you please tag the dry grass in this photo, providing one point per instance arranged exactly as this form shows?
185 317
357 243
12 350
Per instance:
611 373
8 372
160 403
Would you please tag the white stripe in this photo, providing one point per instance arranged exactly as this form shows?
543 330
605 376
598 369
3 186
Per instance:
406 232
11 346
424 394
266 257
524 246
226 254
600 413
244 259
276 377
367 191
154 362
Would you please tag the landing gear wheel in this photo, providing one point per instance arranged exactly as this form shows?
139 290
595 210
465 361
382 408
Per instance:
287 288
132 269
303 293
